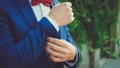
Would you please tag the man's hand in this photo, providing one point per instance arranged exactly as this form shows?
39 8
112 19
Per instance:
62 13
60 50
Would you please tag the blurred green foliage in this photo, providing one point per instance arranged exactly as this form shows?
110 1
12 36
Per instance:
93 20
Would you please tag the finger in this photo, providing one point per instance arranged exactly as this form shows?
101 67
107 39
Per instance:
71 14
54 53
68 4
56 48
69 20
56 41
56 59
69 9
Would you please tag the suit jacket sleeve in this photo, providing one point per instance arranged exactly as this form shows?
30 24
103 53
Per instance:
78 56
22 53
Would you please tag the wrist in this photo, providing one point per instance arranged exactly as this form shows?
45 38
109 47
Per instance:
52 16
73 55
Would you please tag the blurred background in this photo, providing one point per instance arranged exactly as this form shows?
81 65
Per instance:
96 30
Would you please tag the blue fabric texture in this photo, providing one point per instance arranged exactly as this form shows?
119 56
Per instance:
22 38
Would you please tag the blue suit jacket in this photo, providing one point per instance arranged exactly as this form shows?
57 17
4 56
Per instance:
22 38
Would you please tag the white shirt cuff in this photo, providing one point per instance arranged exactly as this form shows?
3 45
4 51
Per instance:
53 23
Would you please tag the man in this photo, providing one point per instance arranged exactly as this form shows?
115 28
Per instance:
31 35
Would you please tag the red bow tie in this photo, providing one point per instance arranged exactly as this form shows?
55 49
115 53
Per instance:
45 2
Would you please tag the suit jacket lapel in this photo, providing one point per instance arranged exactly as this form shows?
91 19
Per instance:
26 10
24 7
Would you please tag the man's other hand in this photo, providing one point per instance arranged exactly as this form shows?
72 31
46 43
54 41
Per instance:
62 13
60 50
